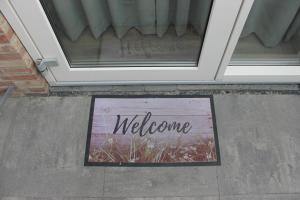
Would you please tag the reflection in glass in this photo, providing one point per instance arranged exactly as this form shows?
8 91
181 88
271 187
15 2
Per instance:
271 35
129 32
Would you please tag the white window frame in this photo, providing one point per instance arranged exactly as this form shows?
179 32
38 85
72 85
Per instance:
251 73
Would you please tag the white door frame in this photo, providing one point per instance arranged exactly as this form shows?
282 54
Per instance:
34 20
31 24
248 73
11 16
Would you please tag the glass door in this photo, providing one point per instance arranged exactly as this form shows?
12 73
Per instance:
266 43
104 33
130 41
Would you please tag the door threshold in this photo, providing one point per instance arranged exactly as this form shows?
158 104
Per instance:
175 89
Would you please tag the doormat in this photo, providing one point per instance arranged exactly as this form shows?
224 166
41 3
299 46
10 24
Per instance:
152 131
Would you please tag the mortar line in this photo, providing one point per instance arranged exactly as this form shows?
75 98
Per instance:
103 186
218 184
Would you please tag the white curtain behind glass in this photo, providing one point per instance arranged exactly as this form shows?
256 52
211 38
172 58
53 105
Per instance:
148 16
273 21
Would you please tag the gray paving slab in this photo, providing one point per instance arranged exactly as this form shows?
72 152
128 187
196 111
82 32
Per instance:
260 144
47 133
114 198
160 181
43 155
43 143
7 116
51 182
263 197
241 87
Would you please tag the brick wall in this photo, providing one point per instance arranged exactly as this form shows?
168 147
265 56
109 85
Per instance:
16 66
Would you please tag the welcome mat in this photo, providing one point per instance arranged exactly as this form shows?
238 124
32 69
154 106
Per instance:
152 131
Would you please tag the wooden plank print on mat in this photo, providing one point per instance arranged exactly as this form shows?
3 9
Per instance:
152 131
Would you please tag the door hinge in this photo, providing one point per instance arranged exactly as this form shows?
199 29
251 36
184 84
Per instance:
45 63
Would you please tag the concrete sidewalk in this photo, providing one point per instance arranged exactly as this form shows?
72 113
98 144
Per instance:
42 144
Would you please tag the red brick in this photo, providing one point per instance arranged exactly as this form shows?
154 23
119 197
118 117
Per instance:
25 61
20 77
28 60
5 37
16 43
29 83
28 71
13 46
42 90
4 26
13 64
2 20
5 83
3 87
16 55
10 69
16 66
10 56
6 48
